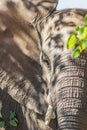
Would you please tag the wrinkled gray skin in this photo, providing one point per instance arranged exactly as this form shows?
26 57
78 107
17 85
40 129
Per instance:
19 76
65 76
22 88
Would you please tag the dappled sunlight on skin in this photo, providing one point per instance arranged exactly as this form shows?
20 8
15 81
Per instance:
23 74
65 76
20 69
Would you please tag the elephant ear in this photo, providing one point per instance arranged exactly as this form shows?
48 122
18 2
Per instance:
39 7
30 8
20 70
19 53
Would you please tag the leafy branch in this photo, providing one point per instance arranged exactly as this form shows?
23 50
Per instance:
78 41
11 122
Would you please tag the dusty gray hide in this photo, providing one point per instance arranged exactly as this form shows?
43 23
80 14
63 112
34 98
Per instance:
66 77
22 88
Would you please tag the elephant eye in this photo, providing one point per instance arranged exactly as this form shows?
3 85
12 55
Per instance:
45 60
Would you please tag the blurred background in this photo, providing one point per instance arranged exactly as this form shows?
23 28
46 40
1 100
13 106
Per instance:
62 4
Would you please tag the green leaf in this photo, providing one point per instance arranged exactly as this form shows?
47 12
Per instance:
85 19
71 41
12 115
77 28
81 47
83 44
76 53
13 123
82 33
2 124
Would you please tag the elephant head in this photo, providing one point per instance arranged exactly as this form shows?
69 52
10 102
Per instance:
66 77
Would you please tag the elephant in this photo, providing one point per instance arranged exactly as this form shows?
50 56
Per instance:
22 88
66 77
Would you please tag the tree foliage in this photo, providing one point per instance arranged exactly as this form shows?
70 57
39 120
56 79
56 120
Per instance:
78 40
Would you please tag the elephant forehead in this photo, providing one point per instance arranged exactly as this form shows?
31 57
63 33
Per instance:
58 26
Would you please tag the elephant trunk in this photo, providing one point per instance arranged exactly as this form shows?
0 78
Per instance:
71 93
71 109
